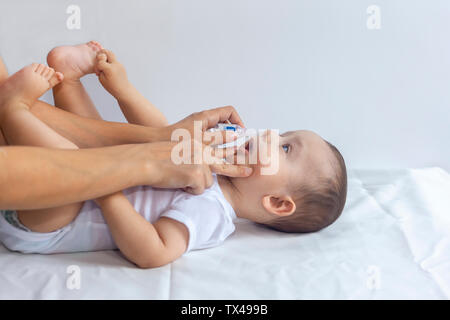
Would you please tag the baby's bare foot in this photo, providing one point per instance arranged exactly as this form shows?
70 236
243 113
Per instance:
74 61
23 88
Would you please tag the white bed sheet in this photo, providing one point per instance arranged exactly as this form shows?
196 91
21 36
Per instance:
392 242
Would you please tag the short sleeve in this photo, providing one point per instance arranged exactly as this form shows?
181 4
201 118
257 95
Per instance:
206 219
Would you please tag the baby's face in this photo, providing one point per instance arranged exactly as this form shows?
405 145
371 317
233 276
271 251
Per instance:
303 156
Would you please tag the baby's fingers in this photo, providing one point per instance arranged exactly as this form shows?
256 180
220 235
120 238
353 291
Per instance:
101 64
111 57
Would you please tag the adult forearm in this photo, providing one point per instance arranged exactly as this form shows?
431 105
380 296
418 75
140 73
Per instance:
34 178
91 133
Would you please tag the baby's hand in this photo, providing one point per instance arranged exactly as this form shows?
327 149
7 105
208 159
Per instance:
111 73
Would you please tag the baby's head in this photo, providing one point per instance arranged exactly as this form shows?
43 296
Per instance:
306 194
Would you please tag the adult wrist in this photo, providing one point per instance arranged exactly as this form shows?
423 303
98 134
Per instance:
145 167
161 133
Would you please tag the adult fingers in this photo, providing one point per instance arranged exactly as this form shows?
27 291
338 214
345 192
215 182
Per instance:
223 153
199 177
231 170
209 180
195 188
219 137
222 114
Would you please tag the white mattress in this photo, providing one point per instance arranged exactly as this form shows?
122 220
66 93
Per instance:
392 242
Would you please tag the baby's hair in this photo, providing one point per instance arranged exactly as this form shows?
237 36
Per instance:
317 206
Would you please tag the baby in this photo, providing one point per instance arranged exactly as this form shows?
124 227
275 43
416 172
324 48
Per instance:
151 226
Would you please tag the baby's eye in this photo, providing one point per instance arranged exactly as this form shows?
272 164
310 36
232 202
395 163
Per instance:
286 147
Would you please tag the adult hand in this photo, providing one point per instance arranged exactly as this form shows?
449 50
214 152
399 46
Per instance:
193 178
208 119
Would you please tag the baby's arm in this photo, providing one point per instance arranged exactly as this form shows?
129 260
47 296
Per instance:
147 245
135 107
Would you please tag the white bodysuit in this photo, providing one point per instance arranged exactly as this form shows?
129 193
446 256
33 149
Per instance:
208 218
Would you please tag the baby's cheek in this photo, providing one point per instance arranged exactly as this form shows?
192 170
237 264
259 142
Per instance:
272 165
265 180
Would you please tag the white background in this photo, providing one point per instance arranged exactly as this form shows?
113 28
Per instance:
381 96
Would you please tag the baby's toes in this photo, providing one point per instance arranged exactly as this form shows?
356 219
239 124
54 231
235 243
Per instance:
56 78
97 45
48 73
41 69
59 76
101 62
92 45
34 66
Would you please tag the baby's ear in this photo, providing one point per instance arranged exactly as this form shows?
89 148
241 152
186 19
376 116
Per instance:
280 205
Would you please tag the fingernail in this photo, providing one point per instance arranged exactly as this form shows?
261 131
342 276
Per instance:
248 171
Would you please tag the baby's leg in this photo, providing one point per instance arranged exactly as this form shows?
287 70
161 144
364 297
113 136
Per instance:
74 62
135 107
21 127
